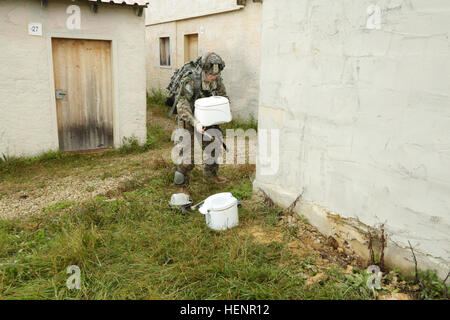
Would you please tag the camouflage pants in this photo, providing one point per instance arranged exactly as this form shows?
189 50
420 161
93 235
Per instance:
211 166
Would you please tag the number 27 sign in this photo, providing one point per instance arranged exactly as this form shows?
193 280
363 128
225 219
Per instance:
35 29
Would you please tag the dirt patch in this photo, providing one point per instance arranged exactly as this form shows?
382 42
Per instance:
316 279
306 241
327 249
262 236
300 248
395 296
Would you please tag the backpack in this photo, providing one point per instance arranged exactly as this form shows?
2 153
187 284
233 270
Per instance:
174 86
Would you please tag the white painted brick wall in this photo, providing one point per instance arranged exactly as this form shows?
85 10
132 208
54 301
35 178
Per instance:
365 114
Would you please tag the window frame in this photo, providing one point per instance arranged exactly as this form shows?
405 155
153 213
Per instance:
164 52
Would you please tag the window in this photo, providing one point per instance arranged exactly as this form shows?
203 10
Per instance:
164 51
190 47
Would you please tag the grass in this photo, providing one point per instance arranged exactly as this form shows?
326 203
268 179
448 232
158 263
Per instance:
129 244
20 168
9 163
241 124
156 97
431 286
59 206
136 247
49 155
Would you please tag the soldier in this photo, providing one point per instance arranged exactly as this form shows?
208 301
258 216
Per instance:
204 81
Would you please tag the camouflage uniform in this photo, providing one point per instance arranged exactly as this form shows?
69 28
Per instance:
186 118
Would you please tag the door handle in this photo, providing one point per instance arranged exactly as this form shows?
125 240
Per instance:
60 94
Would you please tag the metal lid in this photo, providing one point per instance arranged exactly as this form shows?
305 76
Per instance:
180 199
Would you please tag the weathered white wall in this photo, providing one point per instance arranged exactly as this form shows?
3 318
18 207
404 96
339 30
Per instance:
364 116
27 104
234 35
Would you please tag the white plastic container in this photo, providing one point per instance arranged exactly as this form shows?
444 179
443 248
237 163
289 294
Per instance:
212 110
221 211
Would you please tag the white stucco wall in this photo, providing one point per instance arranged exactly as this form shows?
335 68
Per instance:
234 35
27 104
364 116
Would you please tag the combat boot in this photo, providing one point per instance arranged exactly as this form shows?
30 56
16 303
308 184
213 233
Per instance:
214 180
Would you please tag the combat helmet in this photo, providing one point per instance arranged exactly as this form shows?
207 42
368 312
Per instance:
212 62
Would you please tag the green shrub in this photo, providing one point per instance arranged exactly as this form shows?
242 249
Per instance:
9 164
241 124
48 155
131 144
431 286
156 96
243 191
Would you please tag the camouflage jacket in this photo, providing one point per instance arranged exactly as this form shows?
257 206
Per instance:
188 95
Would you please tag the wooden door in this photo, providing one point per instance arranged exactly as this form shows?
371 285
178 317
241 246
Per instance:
83 86
190 47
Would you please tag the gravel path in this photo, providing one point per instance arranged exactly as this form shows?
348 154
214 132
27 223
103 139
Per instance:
70 188
76 184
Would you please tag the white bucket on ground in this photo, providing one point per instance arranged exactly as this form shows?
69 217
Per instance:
221 211
212 110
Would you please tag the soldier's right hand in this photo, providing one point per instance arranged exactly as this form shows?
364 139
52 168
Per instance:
200 128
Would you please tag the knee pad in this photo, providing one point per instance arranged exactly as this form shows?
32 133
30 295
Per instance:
179 178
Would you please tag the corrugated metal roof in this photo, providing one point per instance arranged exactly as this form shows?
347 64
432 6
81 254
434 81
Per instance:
126 2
